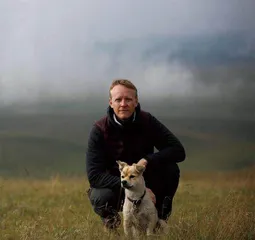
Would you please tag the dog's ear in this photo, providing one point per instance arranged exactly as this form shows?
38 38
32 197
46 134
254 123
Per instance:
139 168
121 165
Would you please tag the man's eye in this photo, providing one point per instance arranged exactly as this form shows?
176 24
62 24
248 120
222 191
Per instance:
132 176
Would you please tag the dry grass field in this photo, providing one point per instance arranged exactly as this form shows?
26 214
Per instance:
209 205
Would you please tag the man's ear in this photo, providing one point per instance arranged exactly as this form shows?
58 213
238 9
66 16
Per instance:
139 168
110 102
121 165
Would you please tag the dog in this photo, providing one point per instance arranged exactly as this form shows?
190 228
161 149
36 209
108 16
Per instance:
140 215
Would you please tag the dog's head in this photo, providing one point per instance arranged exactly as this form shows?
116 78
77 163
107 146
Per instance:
131 176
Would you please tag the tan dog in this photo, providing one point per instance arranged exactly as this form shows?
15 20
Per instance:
139 212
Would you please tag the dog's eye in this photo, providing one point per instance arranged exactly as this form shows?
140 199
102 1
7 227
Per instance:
122 176
132 176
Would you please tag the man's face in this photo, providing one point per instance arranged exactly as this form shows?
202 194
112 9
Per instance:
123 101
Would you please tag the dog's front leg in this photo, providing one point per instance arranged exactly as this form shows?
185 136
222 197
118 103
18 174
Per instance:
135 232
127 224
151 226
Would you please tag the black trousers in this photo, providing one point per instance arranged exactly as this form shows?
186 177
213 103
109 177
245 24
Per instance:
162 180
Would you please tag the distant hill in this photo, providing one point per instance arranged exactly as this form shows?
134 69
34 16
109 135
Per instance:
46 145
34 156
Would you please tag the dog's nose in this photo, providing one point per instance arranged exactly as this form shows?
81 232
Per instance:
124 182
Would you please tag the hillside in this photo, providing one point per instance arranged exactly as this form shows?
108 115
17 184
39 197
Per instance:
23 155
43 145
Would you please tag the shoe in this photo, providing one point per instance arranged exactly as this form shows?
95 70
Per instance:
166 208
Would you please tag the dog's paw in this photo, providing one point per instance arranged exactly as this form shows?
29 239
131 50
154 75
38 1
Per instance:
162 227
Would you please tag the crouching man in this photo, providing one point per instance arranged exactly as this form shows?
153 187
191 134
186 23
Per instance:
129 134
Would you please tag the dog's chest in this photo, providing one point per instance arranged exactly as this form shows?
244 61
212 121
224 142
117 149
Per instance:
138 218
137 214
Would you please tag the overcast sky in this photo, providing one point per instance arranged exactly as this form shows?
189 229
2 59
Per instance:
48 44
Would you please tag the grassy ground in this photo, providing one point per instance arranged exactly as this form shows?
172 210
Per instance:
207 206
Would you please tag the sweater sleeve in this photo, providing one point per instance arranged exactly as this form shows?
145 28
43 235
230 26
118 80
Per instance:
168 146
95 162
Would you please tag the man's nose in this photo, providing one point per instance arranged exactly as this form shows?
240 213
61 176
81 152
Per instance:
123 102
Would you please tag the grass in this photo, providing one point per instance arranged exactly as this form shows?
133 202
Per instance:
207 206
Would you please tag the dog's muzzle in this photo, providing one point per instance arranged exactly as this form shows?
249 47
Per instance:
125 184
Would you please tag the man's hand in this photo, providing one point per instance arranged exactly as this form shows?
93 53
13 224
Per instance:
152 195
143 162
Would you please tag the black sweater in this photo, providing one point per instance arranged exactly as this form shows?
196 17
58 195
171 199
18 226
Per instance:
129 142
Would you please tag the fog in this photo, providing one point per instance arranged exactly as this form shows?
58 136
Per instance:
73 49
193 62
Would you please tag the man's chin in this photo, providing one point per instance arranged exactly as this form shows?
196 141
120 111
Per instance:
124 116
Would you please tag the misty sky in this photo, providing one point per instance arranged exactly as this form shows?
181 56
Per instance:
47 47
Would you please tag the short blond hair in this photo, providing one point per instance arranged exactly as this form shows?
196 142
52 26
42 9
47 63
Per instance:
124 82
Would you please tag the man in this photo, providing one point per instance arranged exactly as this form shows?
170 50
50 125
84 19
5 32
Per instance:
129 134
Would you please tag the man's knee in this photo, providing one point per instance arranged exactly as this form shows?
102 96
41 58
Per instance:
104 201
101 196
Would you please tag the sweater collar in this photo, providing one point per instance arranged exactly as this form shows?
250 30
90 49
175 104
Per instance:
117 122
123 122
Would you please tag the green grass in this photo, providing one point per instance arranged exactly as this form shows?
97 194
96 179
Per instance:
210 205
